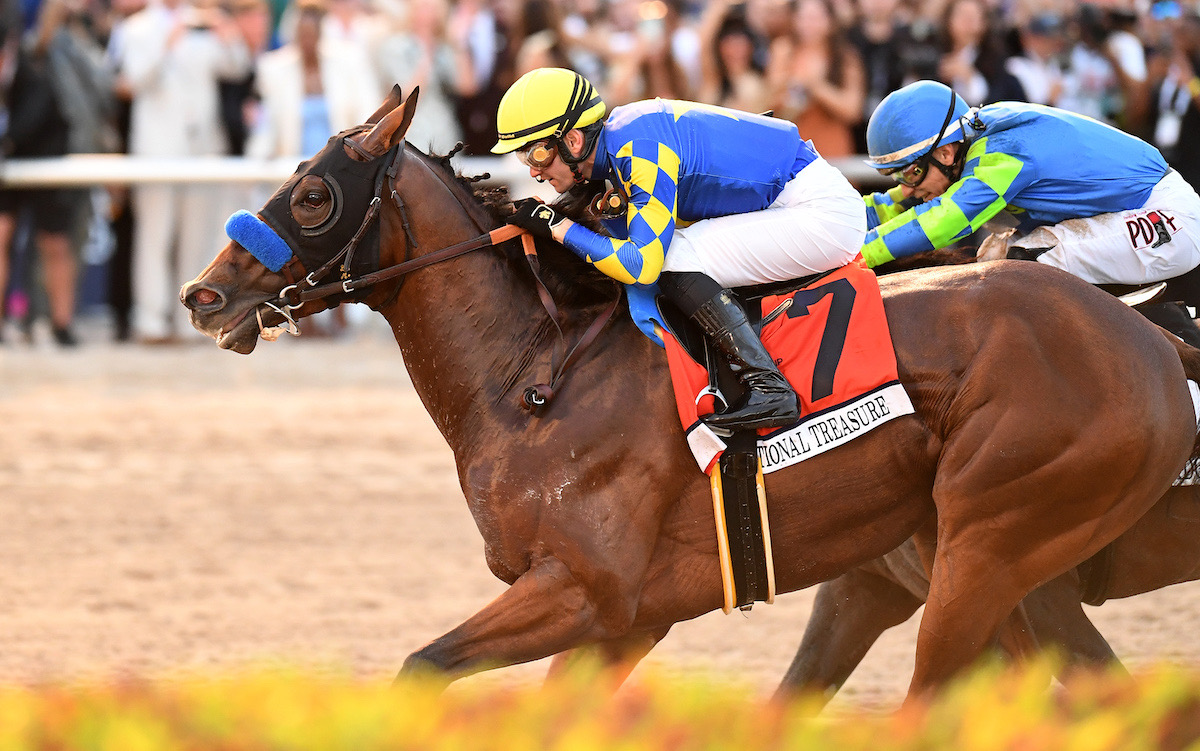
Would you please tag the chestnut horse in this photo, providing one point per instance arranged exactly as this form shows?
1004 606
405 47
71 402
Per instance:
1032 445
851 611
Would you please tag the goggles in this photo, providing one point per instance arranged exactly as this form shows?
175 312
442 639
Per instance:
539 155
912 175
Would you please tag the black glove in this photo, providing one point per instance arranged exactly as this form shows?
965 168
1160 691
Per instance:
535 216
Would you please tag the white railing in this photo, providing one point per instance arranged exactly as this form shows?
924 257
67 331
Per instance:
79 170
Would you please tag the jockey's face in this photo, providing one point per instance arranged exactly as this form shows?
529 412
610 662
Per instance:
935 182
557 172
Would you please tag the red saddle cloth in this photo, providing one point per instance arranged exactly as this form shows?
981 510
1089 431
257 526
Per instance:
833 344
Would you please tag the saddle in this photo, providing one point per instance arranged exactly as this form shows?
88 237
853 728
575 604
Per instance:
692 338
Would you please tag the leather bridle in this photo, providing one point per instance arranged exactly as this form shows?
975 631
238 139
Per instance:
307 287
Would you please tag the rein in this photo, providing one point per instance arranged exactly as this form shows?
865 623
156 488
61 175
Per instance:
293 297
533 398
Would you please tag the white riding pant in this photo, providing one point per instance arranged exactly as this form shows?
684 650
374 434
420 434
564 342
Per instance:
1158 241
816 223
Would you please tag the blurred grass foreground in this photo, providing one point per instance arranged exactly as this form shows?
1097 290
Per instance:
991 709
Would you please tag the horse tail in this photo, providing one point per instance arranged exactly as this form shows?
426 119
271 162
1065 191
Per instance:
1190 357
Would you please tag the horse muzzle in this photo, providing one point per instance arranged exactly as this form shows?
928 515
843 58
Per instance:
211 314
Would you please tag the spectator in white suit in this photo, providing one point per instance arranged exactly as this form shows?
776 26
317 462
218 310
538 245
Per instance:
310 89
174 56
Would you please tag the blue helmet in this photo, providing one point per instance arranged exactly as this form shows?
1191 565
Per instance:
904 127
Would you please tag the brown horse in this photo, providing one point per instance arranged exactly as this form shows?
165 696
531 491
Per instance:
595 513
851 611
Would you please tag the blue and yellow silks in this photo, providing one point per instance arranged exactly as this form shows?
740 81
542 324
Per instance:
681 161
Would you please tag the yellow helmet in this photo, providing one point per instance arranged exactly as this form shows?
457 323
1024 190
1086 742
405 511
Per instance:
546 102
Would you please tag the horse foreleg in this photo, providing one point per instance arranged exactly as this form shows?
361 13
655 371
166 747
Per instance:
546 610
1051 616
849 614
616 657
969 608
1016 635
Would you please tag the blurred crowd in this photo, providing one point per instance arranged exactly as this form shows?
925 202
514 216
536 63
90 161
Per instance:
276 78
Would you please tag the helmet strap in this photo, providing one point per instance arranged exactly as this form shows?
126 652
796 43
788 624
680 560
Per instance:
960 159
927 157
951 170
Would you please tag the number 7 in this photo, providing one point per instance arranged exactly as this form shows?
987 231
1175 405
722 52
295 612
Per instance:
837 324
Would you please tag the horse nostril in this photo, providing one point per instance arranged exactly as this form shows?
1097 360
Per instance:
204 298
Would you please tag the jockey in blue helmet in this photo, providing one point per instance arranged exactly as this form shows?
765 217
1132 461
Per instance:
1055 187
905 131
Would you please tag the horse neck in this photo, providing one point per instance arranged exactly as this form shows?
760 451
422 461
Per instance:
467 327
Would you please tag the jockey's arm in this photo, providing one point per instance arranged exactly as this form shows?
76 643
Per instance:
988 183
650 220
887 205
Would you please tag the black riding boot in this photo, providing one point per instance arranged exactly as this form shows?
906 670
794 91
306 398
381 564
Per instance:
770 401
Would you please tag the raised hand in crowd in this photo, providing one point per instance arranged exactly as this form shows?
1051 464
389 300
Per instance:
436 59
816 79
729 74
973 60
643 63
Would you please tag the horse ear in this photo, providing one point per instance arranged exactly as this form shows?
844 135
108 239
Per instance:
392 126
393 100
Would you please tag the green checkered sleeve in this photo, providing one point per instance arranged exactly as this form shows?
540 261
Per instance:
882 207
989 181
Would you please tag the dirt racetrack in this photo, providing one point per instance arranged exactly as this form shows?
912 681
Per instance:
188 508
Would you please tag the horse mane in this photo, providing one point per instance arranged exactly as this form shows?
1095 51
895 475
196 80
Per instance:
573 282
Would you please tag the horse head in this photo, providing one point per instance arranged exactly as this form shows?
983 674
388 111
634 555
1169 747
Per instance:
321 227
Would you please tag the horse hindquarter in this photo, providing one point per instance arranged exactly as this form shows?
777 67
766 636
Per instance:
1071 418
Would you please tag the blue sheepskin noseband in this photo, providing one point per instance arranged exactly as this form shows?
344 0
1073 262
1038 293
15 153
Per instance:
256 236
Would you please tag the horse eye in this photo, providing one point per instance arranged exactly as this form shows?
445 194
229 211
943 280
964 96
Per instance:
312 202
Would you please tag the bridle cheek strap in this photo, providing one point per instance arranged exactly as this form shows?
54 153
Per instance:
257 237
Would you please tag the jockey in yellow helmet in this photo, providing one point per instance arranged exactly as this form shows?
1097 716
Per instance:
542 107
717 198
